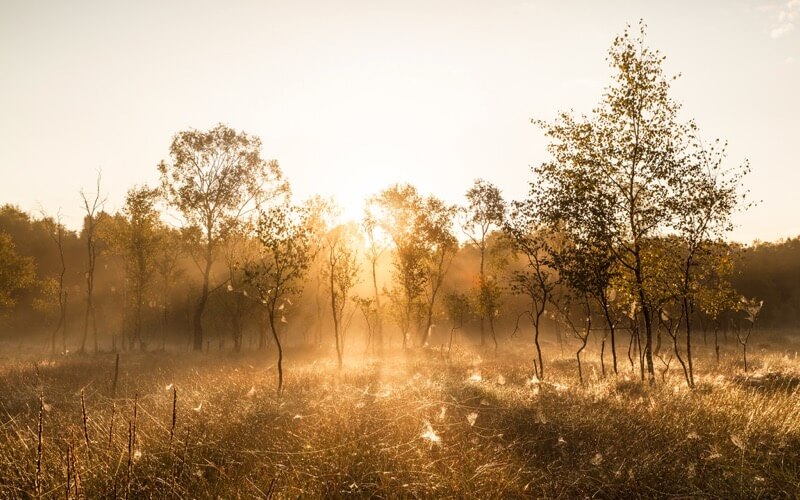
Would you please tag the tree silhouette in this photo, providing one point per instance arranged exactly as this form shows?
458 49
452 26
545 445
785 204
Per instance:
620 175
213 179
485 211
93 206
341 273
285 254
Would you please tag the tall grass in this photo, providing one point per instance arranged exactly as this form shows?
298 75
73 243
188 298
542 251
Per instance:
414 424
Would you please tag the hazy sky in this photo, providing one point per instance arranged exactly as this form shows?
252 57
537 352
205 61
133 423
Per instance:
351 96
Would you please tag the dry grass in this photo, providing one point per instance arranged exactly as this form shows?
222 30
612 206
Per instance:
409 426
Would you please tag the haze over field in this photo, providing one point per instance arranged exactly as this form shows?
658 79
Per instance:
352 96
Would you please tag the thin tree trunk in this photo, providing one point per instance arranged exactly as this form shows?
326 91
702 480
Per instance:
278 343
630 351
640 353
64 327
378 319
602 356
335 313
646 312
481 278
648 350
614 348
611 328
688 312
536 322
674 336
201 306
585 340
744 356
58 327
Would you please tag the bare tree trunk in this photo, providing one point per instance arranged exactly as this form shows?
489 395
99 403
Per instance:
335 313
62 294
580 369
640 353
436 284
744 356
537 319
318 302
58 325
482 277
611 328
648 348
201 306
602 356
630 351
408 324
584 340
277 339
687 306
428 323
674 335
743 341
378 310
646 313
91 221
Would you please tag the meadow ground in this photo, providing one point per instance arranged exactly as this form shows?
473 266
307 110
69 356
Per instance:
401 425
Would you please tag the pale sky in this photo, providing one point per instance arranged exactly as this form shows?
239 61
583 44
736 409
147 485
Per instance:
351 96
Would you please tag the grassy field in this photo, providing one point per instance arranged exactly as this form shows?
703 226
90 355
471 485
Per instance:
404 425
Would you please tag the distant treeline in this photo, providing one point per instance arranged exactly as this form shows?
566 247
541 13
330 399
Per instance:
771 272
766 270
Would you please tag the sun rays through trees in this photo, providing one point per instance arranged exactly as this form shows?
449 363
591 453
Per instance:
554 345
